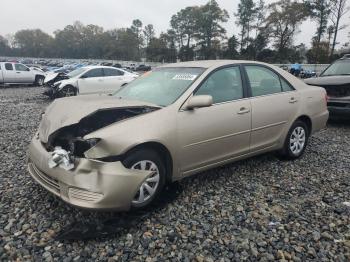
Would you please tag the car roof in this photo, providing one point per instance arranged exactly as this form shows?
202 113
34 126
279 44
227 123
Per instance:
211 63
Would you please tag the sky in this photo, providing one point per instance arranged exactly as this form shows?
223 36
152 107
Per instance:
50 15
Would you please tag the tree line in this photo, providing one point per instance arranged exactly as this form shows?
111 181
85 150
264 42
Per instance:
266 33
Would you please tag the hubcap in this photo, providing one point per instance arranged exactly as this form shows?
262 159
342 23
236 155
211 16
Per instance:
149 187
41 81
297 140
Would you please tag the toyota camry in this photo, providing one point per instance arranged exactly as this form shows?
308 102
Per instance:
119 151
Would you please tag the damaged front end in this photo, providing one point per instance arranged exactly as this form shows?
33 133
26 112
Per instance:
52 83
68 143
57 157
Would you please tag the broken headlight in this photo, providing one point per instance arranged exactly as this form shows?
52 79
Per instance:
79 146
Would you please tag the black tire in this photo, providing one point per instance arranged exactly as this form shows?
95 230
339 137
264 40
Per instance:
286 152
39 80
68 91
135 156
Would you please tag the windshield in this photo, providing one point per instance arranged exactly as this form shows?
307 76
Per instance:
338 68
76 72
162 86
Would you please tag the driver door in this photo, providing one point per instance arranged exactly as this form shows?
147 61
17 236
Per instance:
23 74
92 82
210 135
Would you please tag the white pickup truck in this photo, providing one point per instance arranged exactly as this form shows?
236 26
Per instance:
16 73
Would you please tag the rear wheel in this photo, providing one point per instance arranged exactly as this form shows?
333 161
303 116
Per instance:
148 160
296 140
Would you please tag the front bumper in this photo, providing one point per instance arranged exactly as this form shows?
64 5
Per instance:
339 108
50 91
91 184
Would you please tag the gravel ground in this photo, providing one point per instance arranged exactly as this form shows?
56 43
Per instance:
258 209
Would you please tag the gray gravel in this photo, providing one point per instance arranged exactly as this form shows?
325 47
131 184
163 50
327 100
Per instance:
258 209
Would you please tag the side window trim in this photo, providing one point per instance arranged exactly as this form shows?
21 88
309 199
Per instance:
272 70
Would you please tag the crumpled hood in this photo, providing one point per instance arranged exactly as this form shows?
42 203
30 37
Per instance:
328 80
68 111
50 77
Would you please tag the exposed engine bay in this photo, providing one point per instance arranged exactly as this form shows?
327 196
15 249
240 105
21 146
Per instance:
70 138
50 83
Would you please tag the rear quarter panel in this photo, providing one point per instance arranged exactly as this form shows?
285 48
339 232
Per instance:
314 105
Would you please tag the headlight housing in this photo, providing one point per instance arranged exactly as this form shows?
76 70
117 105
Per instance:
79 146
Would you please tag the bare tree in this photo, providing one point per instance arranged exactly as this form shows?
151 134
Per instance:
338 10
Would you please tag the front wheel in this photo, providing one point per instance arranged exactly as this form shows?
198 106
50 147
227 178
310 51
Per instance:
148 160
39 80
296 141
68 91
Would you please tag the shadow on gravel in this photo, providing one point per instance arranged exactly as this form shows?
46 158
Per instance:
122 221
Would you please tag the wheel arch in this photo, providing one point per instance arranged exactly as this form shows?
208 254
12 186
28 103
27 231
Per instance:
163 152
307 120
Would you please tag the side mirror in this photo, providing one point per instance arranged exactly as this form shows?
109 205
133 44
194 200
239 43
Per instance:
83 77
199 101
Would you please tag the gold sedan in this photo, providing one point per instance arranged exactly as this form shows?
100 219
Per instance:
118 151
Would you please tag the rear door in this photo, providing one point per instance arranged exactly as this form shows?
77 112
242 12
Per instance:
113 79
9 73
274 105
92 82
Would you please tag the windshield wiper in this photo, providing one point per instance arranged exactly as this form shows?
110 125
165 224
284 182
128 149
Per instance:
337 75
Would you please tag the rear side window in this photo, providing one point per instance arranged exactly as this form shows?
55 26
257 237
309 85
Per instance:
112 72
286 86
263 81
97 72
8 66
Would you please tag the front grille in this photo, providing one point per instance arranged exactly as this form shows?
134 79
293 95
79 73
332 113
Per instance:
338 91
45 179
84 195
335 104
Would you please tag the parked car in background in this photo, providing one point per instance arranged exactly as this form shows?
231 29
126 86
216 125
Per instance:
16 73
117 65
117 152
143 68
336 80
88 80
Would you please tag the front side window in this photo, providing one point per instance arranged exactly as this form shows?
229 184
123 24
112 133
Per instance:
112 72
162 86
20 67
223 85
96 72
263 81
8 66
76 72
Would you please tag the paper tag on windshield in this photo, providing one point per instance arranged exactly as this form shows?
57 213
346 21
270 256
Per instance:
186 77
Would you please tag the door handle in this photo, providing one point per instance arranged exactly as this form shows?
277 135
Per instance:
243 110
18 72
293 100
